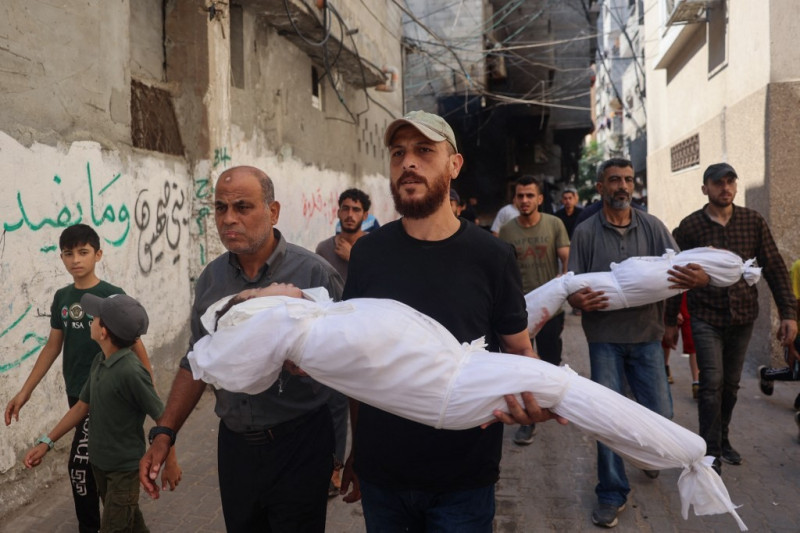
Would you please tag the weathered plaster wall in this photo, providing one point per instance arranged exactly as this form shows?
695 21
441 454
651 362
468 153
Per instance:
55 85
66 155
140 206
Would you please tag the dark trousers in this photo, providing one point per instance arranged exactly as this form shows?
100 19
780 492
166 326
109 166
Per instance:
720 358
416 511
340 410
277 485
84 488
548 340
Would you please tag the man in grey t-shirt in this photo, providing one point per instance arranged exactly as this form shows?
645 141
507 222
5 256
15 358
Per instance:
353 210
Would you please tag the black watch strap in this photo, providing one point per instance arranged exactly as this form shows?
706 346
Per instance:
162 430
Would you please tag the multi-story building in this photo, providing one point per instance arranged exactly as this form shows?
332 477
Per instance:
621 117
722 85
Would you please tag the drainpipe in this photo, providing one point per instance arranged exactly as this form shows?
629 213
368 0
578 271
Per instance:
392 75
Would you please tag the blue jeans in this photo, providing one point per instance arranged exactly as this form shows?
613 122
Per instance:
720 358
642 365
390 510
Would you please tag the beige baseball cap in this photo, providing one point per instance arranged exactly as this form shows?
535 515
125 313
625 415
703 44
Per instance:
431 126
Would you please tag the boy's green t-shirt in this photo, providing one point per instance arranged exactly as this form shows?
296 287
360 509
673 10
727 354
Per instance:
120 393
79 349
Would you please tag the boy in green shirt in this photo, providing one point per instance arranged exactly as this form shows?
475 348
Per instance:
80 253
117 395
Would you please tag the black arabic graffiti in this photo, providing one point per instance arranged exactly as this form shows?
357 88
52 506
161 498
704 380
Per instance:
169 218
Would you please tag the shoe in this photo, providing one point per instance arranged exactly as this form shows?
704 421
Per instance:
576 311
669 375
797 403
524 435
767 386
695 389
605 514
717 466
652 474
729 455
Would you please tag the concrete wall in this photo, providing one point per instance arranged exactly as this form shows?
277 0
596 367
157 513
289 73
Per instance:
140 206
67 155
744 111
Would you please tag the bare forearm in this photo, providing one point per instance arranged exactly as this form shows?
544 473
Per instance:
184 395
69 421
140 351
46 358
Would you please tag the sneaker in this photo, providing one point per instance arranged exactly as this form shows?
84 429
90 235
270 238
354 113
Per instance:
605 514
695 389
717 466
729 455
767 386
524 435
652 474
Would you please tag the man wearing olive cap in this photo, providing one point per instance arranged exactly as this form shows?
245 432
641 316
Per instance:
413 477
722 317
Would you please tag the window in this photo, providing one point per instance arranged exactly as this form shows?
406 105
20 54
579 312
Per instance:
717 37
316 89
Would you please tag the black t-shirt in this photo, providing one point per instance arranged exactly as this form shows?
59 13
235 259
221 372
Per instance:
471 284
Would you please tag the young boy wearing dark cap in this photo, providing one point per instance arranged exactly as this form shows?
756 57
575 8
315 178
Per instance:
70 337
117 395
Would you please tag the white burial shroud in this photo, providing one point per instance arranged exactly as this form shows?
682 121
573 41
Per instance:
388 355
637 281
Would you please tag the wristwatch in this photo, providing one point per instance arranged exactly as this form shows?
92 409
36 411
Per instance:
44 439
162 430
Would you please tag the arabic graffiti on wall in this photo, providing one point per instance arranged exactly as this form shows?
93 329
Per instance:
160 231
31 344
325 205
117 219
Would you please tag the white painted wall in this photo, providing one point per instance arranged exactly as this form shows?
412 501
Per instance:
46 188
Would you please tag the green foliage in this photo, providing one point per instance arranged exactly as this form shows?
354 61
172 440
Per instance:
591 157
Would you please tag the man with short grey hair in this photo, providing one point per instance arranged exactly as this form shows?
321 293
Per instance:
624 345
275 449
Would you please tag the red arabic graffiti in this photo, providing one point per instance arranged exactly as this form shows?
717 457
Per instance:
317 203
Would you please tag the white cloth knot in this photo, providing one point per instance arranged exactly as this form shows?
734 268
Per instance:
750 272
477 345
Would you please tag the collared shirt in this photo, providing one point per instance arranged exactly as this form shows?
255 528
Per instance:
595 245
291 396
747 235
119 393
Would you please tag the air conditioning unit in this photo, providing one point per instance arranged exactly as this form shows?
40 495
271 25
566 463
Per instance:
688 11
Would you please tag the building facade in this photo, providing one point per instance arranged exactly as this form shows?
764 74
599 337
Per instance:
723 84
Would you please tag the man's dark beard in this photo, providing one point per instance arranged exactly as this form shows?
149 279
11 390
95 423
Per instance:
355 229
433 199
